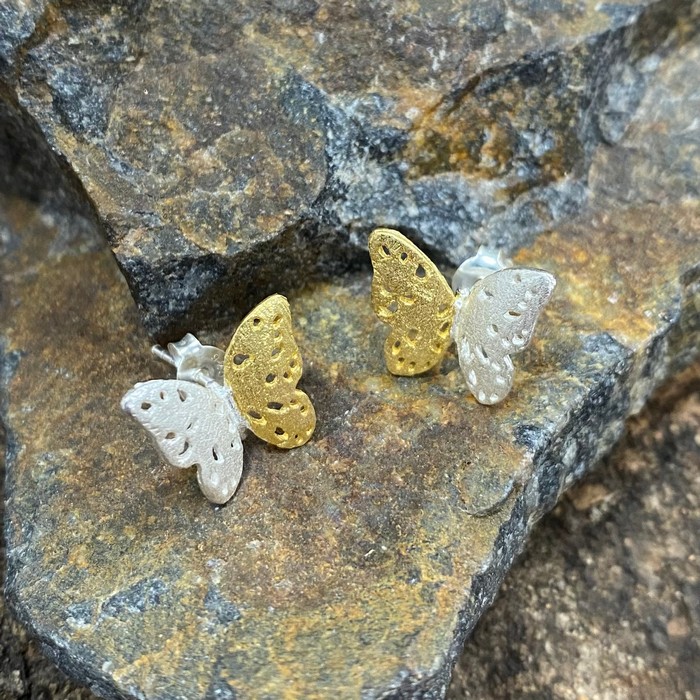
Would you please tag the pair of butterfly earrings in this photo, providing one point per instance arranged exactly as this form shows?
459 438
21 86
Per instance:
200 418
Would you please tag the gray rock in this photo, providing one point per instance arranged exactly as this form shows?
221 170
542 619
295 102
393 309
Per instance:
360 564
235 149
598 575
605 600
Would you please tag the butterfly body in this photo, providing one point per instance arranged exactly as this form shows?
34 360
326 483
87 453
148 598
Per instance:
200 418
493 319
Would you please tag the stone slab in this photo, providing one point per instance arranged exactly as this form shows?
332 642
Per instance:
354 567
235 149
597 575
606 600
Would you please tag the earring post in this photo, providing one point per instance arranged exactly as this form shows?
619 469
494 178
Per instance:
484 262
162 354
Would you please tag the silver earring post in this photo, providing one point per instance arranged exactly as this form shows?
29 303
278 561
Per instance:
486 261
193 361
162 354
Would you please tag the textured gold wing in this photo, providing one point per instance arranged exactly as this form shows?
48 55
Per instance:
411 295
262 366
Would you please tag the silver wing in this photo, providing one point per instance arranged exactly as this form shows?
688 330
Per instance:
495 319
192 425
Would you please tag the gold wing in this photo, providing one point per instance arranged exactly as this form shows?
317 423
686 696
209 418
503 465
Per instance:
262 366
411 295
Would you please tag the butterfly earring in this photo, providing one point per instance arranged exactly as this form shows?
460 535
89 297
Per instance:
490 312
201 417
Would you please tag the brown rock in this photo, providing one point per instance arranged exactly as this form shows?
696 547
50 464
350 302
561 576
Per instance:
577 616
353 563
352 566
236 149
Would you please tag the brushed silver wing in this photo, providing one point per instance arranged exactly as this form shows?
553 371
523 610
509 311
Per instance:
192 425
494 320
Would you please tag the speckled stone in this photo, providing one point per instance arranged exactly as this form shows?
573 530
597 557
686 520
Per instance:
599 605
606 601
235 149
358 565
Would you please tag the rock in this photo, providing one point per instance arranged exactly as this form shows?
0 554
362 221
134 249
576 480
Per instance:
580 616
638 495
24 670
354 565
236 149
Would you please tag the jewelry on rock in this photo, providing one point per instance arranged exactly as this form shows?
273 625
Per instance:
490 312
201 417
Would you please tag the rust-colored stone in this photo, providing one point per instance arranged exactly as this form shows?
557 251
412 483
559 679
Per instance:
236 149
357 565
342 565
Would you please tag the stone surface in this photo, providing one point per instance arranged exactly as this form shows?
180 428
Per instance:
24 671
603 604
236 149
606 602
355 566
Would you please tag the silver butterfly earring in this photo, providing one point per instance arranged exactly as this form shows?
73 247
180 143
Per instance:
200 418
490 312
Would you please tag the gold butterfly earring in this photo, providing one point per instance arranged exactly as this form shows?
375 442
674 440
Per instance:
490 312
200 418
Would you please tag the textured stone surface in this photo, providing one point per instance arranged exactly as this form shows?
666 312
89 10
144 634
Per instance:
24 671
236 149
604 603
354 566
